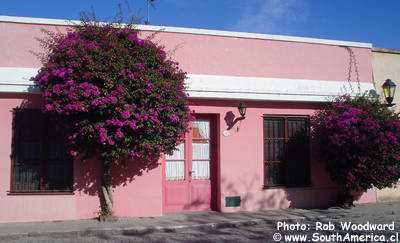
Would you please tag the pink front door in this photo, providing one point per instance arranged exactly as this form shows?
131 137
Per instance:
189 174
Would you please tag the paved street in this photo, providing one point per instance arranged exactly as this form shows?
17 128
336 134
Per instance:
252 233
329 223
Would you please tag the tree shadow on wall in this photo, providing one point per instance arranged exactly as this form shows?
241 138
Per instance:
88 174
29 101
250 200
252 194
249 192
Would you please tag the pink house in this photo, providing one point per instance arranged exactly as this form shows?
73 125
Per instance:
227 163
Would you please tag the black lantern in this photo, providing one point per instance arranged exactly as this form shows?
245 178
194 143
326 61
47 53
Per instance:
242 109
388 91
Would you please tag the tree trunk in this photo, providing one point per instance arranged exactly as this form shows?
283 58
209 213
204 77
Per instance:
107 190
348 199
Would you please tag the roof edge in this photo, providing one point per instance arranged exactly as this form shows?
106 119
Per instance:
385 50
61 22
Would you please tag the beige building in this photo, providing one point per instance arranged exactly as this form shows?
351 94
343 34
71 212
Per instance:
386 65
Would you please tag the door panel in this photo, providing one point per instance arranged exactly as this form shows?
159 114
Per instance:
189 170
200 195
176 194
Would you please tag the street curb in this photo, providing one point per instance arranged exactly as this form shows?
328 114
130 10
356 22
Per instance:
141 230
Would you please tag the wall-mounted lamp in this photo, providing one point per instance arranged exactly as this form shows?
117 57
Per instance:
389 87
242 109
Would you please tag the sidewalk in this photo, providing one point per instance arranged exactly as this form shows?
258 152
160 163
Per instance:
179 221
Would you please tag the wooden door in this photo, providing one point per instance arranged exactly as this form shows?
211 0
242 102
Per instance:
189 173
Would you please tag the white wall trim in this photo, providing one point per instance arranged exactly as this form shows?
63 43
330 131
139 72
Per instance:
16 80
274 89
60 22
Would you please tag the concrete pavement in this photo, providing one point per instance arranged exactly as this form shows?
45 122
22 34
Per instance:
182 221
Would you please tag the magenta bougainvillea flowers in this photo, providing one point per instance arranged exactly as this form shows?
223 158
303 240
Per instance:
116 95
359 142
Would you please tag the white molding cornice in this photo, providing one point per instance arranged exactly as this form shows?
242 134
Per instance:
273 89
16 80
60 22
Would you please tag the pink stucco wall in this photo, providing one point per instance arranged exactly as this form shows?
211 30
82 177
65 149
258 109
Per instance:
215 55
137 193
240 172
241 160
240 155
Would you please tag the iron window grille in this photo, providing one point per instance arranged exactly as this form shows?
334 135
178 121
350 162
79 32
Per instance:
40 162
286 151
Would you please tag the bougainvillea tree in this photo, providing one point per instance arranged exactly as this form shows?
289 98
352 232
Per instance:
115 95
359 142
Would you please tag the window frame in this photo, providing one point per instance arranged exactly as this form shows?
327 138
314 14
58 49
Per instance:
285 118
44 161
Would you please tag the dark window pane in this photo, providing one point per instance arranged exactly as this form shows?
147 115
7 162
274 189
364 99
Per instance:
59 170
40 157
274 150
267 155
297 127
274 128
273 174
27 150
58 176
297 156
28 124
26 177
286 144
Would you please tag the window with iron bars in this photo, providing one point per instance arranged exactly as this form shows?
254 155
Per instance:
40 162
286 151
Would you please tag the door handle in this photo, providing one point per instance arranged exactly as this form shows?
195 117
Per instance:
190 173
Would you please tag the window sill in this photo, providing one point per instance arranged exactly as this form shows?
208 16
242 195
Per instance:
17 193
287 187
